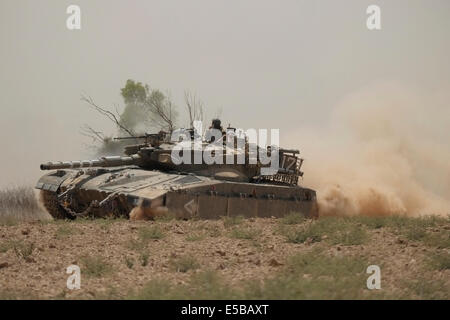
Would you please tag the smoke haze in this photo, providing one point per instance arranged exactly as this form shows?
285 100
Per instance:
384 152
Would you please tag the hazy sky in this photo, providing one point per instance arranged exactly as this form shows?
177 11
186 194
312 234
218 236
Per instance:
267 64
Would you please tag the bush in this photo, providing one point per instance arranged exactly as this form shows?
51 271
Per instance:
421 229
306 276
184 264
23 250
427 289
205 285
95 266
232 221
314 275
154 290
440 261
334 230
66 230
151 233
293 218
244 233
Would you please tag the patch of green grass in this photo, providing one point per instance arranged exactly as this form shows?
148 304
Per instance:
293 218
184 263
210 229
415 233
428 230
151 233
205 285
301 235
232 221
168 217
107 222
65 231
371 222
438 239
353 235
246 233
426 289
399 222
7 294
23 250
440 260
312 275
136 245
6 245
333 230
317 263
157 289
111 293
424 222
95 266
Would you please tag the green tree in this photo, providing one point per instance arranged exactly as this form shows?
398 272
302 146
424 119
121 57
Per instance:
134 92
146 108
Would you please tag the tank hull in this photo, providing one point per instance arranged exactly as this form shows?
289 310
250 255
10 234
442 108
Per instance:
144 194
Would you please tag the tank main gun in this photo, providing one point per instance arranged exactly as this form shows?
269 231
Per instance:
145 136
111 161
154 139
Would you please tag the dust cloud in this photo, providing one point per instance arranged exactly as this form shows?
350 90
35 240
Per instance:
385 151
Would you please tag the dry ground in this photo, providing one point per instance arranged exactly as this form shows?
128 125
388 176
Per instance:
229 258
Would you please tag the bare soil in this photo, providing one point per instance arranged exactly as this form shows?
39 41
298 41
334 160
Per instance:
125 259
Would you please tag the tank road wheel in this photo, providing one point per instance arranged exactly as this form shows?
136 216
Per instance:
50 202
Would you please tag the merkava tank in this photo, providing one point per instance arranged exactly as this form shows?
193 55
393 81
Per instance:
149 180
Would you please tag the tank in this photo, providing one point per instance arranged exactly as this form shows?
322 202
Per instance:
148 181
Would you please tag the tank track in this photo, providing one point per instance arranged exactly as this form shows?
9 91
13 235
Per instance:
50 202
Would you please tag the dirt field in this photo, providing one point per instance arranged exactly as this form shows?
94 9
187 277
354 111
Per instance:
230 258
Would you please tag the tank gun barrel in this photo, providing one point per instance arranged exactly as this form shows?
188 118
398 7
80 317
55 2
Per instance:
154 139
129 138
145 136
114 161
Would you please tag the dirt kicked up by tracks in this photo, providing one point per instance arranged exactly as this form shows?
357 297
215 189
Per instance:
286 258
